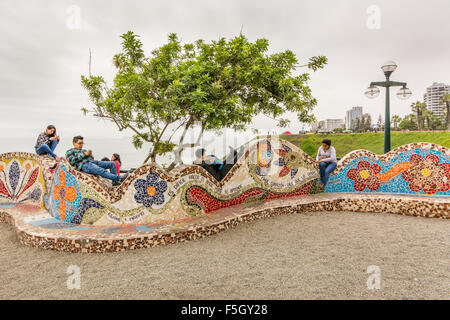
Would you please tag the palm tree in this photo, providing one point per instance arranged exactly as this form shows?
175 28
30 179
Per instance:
418 108
428 117
396 120
446 99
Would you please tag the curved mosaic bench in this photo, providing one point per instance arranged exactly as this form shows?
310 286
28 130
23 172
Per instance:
414 169
79 213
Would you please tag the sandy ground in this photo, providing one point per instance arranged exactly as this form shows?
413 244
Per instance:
302 256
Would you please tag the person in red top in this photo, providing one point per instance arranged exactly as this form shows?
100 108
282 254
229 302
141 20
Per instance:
116 159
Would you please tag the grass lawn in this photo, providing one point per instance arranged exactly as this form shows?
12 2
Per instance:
372 141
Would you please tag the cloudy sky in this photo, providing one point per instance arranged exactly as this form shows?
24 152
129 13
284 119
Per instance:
44 50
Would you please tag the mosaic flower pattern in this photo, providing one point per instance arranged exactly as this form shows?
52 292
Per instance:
365 175
415 171
427 174
15 180
66 195
150 191
264 157
287 160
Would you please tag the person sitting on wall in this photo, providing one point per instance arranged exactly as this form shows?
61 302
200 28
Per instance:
210 163
326 158
47 141
83 160
231 160
214 165
116 159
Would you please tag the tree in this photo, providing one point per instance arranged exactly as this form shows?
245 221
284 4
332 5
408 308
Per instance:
428 117
437 123
419 108
358 125
380 122
368 123
396 120
221 84
446 99
408 123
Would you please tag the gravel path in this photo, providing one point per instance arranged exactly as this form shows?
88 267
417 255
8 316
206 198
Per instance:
301 256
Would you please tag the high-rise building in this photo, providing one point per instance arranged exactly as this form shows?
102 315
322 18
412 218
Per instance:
331 124
351 116
328 125
432 98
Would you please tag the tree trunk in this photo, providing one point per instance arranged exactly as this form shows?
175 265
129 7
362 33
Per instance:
182 146
178 151
148 158
448 116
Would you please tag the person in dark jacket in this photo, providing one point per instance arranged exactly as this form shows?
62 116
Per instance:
47 141
216 167
83 160
210 163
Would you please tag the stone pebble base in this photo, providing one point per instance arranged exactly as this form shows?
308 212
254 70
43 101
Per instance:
30 227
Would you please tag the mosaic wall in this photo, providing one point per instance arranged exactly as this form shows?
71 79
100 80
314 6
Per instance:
21 181
414 169
153 207
267 170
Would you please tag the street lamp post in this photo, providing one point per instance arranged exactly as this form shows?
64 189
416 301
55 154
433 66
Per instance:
373 92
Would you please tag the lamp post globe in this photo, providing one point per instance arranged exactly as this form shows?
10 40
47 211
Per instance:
372 92
388 67
404 93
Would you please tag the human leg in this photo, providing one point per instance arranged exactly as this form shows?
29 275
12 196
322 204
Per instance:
330 168
322 167
45 149
54 144
107 165
93 168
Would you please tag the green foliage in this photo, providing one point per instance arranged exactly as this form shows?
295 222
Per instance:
408 123
396 119
445 99
221 84
419 109
420 119
363 124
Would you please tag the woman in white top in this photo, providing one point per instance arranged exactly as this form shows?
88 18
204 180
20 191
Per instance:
326 158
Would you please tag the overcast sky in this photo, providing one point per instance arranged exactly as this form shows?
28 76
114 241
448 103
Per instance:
43 52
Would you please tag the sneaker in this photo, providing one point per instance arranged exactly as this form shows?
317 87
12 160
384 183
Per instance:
119 182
